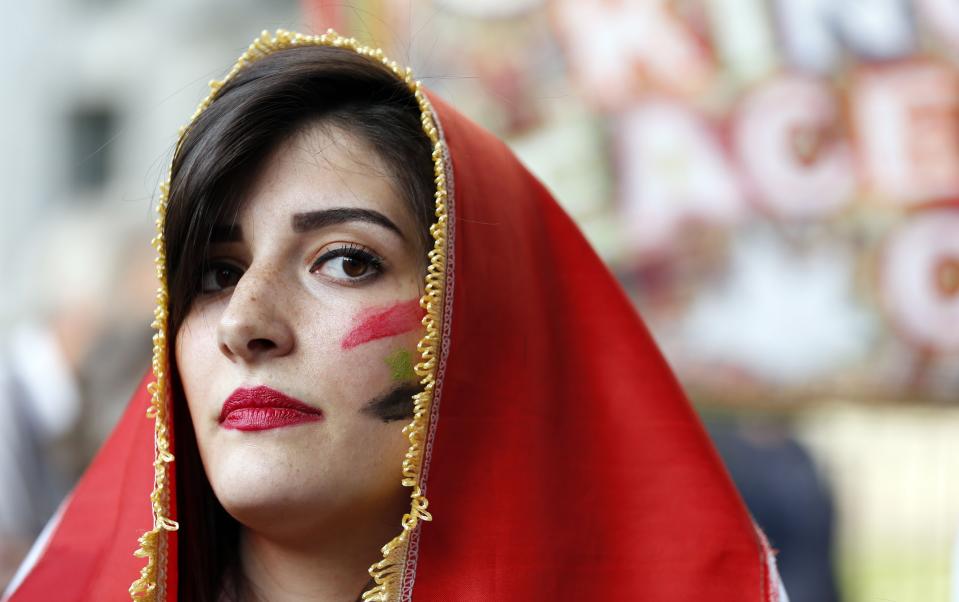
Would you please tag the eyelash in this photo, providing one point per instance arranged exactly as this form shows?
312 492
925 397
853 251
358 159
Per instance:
348 250
356 252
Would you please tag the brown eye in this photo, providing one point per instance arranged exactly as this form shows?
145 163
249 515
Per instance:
227 277
354 267
219 276
349 264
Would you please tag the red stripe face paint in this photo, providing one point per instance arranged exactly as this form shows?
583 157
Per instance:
381 323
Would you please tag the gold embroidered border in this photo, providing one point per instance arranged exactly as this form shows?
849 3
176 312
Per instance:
387 574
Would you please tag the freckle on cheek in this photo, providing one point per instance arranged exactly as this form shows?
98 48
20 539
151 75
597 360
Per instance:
380 323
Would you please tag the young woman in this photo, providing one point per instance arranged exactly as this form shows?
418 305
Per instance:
366 302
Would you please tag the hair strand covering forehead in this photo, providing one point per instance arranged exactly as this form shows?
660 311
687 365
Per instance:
387 573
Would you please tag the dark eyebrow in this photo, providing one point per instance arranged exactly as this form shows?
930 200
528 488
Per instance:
311 220
231 233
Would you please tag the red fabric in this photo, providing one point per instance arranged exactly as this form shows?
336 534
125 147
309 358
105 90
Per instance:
566 463
89 556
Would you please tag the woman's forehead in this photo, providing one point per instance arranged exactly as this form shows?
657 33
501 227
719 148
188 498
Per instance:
321 168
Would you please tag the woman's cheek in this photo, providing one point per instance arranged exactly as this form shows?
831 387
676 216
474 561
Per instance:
196 353
381 322
400 363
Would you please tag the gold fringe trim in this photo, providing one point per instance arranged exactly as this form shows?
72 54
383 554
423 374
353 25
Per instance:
387 574
152 582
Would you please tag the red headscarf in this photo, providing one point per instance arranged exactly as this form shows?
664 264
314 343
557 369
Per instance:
559 456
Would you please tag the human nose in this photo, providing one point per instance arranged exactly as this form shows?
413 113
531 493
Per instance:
253 327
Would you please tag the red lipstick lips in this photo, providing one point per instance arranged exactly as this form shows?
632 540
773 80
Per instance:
262 408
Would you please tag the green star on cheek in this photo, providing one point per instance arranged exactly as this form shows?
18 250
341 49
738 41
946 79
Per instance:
401 365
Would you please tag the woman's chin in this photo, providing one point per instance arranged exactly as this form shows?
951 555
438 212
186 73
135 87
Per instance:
259 488
275 511
286 490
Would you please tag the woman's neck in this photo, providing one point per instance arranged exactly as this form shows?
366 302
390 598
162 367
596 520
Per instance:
326 566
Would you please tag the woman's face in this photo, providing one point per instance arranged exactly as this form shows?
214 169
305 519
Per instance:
296 359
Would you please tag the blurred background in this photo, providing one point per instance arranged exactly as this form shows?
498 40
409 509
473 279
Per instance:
775 182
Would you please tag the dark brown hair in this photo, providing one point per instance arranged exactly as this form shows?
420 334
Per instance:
264 104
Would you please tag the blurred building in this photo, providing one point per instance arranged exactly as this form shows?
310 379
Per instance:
94 92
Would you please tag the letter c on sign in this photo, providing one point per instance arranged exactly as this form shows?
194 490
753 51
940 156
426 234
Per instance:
920 279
